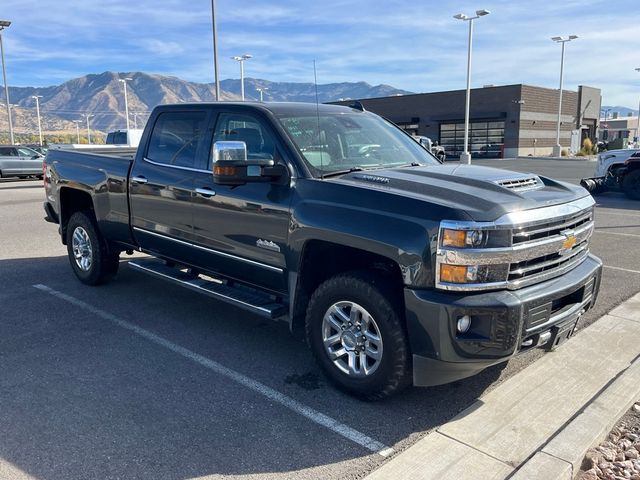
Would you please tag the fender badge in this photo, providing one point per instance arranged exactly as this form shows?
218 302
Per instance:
267 245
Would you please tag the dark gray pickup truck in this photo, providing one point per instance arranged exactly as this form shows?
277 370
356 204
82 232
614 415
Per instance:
396 268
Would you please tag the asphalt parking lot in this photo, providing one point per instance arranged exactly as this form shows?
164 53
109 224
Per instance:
142 379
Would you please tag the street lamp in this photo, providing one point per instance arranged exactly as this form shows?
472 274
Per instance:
465 157
261 90
77 122
557 149
4 24
638 126
37 99
241 59
215 49
126 103
88 116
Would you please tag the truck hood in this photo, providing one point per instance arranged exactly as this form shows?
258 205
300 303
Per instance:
484 193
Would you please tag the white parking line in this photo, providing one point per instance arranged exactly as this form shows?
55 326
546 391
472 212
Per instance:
313 415
622 269
618 233
617 213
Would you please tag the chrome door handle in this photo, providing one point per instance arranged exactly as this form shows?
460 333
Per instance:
140 179
205 192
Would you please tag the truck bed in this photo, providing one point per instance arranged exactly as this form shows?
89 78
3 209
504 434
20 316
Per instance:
101 175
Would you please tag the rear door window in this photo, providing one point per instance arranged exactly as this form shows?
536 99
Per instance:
175 138
8 152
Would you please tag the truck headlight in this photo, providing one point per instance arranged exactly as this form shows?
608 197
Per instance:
462 238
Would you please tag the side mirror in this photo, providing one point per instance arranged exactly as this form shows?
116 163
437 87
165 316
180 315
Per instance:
232 167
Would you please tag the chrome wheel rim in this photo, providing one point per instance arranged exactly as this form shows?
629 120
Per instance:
352 339
81 246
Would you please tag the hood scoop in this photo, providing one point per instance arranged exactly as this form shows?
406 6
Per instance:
523 184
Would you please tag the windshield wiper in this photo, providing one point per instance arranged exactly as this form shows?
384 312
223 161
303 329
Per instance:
342 172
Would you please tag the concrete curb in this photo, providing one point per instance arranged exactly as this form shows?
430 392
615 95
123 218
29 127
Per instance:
539 423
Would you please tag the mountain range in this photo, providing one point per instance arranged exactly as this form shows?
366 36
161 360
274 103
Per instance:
102 96
621 111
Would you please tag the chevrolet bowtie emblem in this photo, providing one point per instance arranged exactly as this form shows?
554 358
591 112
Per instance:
568 243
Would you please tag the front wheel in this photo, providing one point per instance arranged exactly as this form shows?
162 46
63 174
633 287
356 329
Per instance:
355 332
89 256
631 184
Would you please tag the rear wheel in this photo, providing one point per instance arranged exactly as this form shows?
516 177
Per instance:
357 336
91 260
631 184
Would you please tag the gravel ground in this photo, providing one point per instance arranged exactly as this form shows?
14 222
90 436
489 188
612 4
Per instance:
618 457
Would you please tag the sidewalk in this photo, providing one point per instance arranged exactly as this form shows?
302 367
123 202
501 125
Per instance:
539 423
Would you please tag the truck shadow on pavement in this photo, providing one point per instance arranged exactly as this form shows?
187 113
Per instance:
82 397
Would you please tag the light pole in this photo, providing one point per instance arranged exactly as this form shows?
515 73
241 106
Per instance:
126 103
465 157
88 116
557 148
261 90
638 126
4 24
37 99
215 49
241 59
77 122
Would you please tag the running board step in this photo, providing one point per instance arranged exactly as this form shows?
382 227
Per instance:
252 300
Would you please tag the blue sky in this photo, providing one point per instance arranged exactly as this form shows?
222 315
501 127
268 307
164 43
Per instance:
416 46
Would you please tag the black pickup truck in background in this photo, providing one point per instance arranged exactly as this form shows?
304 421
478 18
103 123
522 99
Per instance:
396 268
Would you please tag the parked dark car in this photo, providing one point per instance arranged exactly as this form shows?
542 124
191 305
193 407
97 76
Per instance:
396 268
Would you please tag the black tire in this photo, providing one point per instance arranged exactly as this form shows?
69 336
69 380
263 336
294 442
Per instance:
104 263
372 292
631 184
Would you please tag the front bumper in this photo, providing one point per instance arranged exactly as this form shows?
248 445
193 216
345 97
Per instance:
503 323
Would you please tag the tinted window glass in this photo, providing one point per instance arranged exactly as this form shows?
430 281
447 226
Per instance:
175 138
117 138
8 152
247 129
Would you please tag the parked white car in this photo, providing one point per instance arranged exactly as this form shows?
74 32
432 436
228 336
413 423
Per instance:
17 161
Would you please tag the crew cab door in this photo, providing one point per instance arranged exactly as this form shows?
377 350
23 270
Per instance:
10 161
241 231
161 183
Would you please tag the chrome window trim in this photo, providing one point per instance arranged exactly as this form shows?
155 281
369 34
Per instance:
177 167
209 250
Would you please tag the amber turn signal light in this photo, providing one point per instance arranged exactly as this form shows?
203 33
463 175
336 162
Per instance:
224 171
453 273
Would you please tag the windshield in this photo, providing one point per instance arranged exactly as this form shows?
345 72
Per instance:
335 142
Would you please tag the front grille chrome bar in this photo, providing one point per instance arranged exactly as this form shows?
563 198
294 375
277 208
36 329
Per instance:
562 234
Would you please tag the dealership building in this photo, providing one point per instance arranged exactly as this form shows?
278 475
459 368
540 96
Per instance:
505 121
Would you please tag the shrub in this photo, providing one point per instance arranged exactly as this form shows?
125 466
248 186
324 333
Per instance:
564 152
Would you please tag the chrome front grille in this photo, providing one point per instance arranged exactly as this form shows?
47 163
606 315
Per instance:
578 227
537 245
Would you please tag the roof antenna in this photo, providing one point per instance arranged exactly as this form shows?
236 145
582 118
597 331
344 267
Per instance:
315 81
